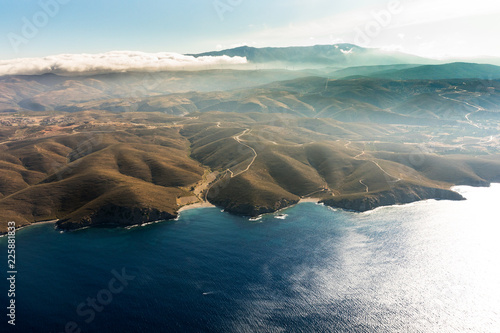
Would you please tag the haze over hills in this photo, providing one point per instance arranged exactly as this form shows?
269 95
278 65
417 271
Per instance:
410 102
134 147
91 168
49 91
457 70
401 100
367 70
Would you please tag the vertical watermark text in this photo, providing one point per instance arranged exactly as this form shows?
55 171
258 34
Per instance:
11 272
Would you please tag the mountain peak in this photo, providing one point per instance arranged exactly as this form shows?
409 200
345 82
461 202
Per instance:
336 55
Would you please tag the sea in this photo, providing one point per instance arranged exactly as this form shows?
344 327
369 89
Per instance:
430 266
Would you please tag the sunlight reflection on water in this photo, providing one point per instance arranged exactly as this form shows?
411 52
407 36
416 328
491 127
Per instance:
430 266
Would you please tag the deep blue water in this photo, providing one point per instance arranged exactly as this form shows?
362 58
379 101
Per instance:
425 267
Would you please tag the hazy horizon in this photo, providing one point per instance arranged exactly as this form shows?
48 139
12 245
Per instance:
441 29
138 61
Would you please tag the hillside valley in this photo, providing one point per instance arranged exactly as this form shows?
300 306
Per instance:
111 150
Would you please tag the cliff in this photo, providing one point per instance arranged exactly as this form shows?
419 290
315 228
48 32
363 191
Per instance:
362 203
113 215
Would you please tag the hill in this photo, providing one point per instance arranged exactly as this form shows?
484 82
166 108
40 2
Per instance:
427 102
49 91
132 148
128 176
339 55
457 70
99 168
358 71
408 102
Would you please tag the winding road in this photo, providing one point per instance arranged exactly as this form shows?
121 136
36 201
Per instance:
478 108
357 157
238 139
231 173
366 186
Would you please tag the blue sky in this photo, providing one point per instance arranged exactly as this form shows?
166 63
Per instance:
434 28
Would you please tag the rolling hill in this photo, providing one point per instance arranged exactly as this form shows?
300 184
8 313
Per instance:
408 102
132 148
457 70
49 91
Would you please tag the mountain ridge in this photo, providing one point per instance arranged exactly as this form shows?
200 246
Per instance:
344 55
131 148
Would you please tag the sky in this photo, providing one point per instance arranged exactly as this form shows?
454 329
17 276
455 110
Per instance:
429 28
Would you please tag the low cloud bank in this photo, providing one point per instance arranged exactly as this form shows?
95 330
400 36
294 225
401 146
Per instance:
117 61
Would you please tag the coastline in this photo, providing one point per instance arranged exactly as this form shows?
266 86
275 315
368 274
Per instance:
304 200
462 189
396 196
313 200
29 225
196 205
183 208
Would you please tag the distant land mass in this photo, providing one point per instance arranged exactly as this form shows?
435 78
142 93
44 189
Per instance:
439 72
320 55
123 149
455 70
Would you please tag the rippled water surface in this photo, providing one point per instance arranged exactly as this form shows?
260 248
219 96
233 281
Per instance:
432 266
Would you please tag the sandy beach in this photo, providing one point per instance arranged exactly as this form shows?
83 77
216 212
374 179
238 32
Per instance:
314 200
195 205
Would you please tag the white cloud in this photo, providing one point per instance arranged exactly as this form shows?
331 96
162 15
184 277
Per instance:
116 61
439 20
418 12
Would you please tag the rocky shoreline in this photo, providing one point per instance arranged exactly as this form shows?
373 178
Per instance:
389 198
120 215
135 216
249 210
